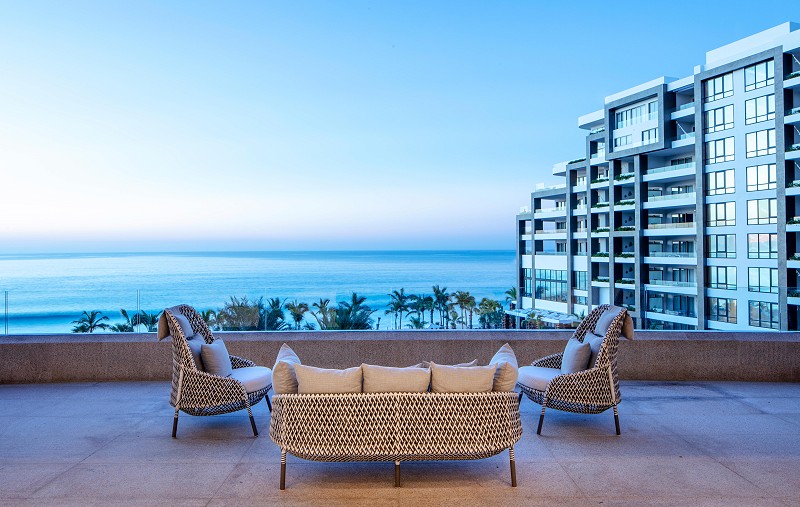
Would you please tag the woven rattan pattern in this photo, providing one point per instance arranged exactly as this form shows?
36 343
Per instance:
202 393
395 426
588 391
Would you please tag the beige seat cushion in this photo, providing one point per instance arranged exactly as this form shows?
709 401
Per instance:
536 377
505 377
462 379
284 379
254 378
312 380
385 379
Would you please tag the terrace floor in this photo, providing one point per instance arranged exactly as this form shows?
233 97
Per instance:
682 443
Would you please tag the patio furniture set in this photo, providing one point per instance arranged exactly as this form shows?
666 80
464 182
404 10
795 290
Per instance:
422 412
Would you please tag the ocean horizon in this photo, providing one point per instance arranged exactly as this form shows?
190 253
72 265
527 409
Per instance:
47 291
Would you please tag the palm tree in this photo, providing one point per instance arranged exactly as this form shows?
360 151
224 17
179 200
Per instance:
297 312
398 305
89 322
415 323
441 300
240 314
325 314
271 317
490 314
209 317
354 314
420 304
511 295
148 320
465 301
125 327
470 305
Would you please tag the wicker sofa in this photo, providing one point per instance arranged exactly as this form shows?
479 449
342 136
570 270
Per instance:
395 426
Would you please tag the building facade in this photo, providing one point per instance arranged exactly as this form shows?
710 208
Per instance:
685 206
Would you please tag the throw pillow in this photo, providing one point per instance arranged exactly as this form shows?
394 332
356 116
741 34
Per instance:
284 379
605 320
385 379
505 378
595 342
462 379
312 380
216 359
576 355
183 322
195 344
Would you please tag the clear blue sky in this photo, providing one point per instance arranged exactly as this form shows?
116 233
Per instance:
314 125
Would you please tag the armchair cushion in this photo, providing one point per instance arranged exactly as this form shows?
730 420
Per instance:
595 342
608 316
195 344
216 359
284 379
537 377
505 377
576 355
254 378
384 379
186 327
324 381
462 379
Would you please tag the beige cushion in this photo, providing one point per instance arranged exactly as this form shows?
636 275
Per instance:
576 356
462 379
536 377
284 380
254 378
427 364
186 327
196 346
320 380
505 377
605 320
595 342
384 379
216 359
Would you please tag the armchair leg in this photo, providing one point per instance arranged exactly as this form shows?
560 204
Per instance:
616 419
519 400
269 405
175 425
541 418
513 467
396 474
283 469
252 421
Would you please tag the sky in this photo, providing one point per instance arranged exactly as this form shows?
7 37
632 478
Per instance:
171 126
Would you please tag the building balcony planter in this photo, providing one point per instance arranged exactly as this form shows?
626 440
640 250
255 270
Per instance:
625 255
624 176
603 255
625 202
792 111
793 221
625 281
630 308
600 180
600 205
625 228
602 279
601 229
792 76
794 147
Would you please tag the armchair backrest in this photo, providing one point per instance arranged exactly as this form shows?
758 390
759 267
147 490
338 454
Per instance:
182 357
608 350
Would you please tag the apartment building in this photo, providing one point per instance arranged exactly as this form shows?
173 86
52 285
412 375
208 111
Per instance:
685 206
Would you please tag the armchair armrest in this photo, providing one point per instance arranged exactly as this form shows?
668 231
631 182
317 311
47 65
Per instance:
240 362
581 386
551 361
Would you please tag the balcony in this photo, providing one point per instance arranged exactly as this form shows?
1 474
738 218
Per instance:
683 139
682 111
624 179
792 152
625 258
624 205
557 211
682 199
792 80
670 172
601 182
792 116
677 258
600 207
678 229
672 286
793 187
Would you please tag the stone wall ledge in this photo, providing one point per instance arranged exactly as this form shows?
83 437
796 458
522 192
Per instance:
652 355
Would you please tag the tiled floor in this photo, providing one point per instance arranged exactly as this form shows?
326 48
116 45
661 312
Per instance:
682 443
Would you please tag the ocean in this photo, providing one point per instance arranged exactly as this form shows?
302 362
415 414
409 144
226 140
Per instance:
46 292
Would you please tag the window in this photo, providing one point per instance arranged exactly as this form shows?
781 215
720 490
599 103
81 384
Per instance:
760 143
551 285
720 214
719 119
762 280
680 161
761 177
763 314
622 140
579 300
720 183
759 109
722 310
762 246
527 282
720 150
580 280
652 110
759 75
718 88
650 136
762 211
722 277
722 246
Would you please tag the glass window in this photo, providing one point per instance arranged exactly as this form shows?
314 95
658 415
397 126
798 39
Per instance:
551 285
722 310
580 280
722 277
762 246
722 246
720 214
652 110
759 75
762 280
720 182
719 119
763 314
526 275
720 150
650 136
718 88
759 109
762 211
623 140
760 143
761 177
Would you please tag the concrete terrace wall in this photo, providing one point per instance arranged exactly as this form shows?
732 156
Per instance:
653 355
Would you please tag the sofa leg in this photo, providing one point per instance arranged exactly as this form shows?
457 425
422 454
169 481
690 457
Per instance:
396 474
616 419
175 425
541 420
513 467
283 469
269 405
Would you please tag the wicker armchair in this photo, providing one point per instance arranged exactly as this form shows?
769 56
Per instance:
195 391
589 391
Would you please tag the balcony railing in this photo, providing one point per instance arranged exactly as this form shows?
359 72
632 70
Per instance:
685 135
550 253
677 167
792 111
673 283
679 225
672 254
551 231
683 107
597 130
676 313
551 209
680 195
